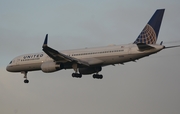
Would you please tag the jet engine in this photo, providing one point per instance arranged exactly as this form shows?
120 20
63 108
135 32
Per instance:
48 67
90 70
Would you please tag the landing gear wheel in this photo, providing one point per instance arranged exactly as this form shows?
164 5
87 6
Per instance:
25 76
97 76
26 81
77 75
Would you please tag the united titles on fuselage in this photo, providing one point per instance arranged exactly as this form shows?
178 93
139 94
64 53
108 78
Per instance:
32 57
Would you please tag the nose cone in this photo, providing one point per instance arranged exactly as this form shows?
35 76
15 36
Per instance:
8 68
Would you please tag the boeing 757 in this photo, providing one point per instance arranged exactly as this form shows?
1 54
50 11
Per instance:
91 60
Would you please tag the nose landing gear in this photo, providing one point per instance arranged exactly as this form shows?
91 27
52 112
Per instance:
26 81
25 76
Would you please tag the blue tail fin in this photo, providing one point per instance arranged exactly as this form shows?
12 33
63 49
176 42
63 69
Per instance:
150 32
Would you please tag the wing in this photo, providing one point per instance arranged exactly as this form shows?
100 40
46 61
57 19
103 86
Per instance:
58 56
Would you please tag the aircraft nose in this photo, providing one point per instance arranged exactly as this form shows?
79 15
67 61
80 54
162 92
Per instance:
8 68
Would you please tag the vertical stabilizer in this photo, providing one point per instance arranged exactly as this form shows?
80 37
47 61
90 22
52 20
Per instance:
150 32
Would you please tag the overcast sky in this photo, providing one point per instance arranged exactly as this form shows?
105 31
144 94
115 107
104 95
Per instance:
148 86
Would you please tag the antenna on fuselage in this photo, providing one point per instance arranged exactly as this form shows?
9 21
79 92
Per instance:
161 43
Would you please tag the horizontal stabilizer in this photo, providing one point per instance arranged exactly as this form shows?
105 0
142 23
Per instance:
143 47
172 46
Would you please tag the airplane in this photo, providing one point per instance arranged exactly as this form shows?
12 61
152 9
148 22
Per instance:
91 60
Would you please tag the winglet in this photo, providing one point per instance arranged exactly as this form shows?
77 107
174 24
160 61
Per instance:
45 41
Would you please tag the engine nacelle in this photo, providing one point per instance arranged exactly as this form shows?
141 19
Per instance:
89 70
48 67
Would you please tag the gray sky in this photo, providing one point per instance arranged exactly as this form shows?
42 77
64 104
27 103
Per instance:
149 86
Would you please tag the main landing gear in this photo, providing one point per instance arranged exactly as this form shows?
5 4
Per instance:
77 75
25 76
97 76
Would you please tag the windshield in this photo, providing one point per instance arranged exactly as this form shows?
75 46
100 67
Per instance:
10 62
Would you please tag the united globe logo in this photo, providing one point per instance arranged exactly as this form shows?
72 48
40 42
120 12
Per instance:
147 36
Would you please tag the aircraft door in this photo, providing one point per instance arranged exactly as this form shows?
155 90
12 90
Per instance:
129 50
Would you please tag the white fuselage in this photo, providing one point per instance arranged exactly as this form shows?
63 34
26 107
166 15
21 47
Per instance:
108 55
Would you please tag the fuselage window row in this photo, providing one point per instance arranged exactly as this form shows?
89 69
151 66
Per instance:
96 53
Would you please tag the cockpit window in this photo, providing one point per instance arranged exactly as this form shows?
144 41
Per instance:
10 62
